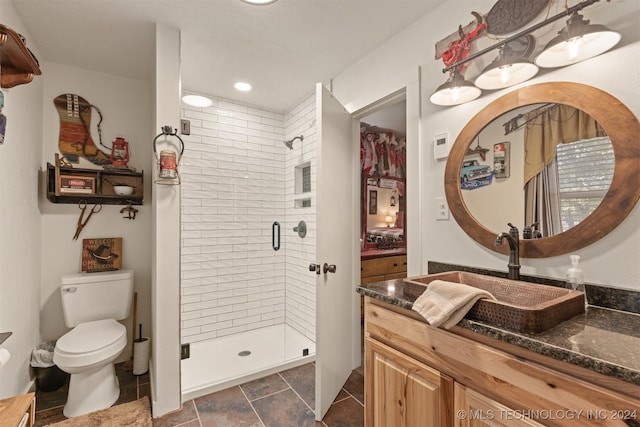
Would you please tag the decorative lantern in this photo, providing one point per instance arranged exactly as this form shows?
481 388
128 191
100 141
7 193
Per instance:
120 152
168 160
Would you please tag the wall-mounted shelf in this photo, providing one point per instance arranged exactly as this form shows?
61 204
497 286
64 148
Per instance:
103 182
18 64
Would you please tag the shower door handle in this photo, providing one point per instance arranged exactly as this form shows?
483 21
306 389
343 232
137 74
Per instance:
275 236
315 267
326 268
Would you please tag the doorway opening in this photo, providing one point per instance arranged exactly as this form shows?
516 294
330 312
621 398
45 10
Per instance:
383 196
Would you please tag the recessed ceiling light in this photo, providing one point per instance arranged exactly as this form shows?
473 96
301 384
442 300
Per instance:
242 86
259 2
197 101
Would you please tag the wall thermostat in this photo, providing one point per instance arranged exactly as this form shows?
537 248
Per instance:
441 146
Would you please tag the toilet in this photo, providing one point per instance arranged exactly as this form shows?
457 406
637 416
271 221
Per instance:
92 304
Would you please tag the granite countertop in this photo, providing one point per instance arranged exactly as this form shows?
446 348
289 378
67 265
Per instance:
603 340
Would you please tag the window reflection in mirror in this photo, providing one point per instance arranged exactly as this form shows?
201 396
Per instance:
550 185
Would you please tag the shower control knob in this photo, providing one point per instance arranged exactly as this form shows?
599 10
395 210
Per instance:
314 267
328 268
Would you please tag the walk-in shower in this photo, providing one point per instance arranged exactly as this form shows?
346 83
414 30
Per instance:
247 310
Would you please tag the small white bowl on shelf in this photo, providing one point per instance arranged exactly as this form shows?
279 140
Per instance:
123 190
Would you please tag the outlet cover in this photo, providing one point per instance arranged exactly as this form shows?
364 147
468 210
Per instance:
442 210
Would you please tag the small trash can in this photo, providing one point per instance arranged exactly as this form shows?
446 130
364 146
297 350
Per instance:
48 376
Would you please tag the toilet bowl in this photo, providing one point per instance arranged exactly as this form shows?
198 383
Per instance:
92 305
87 353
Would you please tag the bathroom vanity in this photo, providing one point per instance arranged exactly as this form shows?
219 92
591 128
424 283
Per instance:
584 371
18 411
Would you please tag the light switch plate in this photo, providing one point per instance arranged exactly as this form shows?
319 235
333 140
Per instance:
185 127
442 210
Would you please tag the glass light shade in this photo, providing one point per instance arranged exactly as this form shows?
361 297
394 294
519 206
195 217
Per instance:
506 71
197 101
576 42
455 91
259 2
388 219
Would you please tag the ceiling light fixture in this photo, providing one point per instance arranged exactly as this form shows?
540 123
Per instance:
583 40
455 91
197 101
506 70
576 42
259 2
242 86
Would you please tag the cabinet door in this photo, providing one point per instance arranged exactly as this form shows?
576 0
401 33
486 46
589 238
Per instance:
473 409
402 392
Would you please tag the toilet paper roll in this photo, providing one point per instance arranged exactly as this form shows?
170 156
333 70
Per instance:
4 357
140 356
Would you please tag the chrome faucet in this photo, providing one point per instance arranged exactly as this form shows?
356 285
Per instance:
514 250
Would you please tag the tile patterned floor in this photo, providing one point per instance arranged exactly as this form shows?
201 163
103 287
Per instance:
285 399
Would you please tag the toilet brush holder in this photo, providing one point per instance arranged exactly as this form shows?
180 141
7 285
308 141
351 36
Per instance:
140 356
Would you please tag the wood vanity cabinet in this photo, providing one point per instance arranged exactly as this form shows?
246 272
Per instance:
417 375
474 409
19 411
379 269
403 392
383 268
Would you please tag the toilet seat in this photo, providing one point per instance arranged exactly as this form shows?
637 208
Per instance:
90 343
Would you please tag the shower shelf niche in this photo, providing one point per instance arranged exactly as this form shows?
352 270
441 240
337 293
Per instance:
302 189
302 202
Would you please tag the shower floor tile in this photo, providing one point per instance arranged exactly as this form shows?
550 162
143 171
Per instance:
283 399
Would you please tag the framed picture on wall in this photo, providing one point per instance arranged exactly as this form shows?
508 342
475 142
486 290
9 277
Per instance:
373 202
101 254
501 167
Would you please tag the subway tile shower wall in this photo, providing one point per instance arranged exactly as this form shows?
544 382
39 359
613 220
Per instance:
237 179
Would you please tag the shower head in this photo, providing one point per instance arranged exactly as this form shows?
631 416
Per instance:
289 143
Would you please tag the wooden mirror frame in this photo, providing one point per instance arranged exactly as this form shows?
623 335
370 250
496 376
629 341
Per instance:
623 129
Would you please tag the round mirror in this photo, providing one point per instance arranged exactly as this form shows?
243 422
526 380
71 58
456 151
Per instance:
486 167
509 151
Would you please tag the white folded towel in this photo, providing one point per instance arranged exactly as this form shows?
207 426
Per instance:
445 303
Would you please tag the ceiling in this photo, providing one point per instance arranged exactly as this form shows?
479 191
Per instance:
281 49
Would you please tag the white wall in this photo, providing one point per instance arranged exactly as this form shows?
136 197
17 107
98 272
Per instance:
126 110
233 190
613 259
20 238
164 366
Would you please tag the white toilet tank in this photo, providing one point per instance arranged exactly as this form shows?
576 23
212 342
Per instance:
96 296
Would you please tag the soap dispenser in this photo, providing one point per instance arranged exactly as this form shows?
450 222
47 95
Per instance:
574 274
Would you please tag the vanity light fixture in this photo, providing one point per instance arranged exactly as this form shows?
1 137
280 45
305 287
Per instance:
576 42
197 101
242 86
455 91
583 40
506 70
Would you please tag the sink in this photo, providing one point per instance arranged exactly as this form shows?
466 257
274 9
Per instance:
520 306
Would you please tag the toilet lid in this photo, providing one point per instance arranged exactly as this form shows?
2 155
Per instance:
91 336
